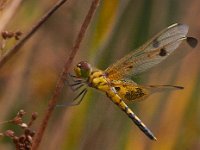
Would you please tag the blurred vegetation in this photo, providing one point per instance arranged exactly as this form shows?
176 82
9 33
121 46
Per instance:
28 79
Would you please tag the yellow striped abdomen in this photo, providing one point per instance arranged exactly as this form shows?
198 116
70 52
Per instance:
119 102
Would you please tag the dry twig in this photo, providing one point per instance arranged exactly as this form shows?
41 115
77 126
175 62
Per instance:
21 42
60 82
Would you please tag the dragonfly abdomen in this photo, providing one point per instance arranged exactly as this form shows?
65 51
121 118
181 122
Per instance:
118 101
140 124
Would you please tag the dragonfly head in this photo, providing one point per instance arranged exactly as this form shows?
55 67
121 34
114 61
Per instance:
83 69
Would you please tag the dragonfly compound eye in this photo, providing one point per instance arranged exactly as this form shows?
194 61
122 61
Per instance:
83 69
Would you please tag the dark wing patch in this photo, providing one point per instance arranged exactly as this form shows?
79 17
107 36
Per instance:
192 41
163 52
133 95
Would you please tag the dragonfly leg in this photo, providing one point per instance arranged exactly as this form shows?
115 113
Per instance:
118 101
73 77
77 83
81 95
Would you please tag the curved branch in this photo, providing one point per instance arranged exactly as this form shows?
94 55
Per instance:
19 44
60 82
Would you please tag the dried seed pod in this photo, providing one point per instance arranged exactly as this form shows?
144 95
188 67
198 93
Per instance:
21 113
24 125
9 133
22 138
7 34
34 115
32 133
18 33
17 120
27 131
15 139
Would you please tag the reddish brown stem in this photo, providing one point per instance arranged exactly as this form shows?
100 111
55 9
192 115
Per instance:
60 82
19 44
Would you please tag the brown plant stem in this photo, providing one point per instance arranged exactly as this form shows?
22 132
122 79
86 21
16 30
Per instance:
19 44
60 82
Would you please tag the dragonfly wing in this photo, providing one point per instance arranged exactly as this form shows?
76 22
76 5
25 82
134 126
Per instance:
161 88
151 53
131 92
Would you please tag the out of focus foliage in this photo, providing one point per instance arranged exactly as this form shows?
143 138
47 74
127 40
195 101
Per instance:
28 80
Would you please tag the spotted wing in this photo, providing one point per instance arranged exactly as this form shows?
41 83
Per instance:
151 53
131 92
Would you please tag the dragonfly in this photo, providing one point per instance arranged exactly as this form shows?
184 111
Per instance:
115 81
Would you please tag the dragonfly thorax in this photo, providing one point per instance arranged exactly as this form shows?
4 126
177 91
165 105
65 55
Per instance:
83 70
99 80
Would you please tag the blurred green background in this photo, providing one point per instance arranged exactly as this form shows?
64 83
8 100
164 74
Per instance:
28 80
